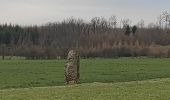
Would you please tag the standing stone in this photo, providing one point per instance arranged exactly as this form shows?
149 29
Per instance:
72 67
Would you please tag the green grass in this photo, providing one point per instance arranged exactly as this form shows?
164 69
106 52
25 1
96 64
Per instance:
158 89
42 73
12 58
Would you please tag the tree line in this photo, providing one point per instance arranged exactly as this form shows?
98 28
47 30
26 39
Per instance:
100 37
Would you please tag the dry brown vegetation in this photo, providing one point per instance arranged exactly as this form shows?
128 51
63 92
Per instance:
99 38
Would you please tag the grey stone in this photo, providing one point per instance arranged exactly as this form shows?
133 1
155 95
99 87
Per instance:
72 67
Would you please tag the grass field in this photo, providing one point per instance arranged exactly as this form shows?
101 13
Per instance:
158 89
19 77
40 73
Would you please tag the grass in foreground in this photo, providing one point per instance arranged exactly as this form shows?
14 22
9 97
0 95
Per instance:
41 73
158 89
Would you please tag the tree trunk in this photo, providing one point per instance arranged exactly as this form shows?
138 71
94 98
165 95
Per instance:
3 52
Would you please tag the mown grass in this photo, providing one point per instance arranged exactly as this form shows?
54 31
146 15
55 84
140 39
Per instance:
137 90
41 73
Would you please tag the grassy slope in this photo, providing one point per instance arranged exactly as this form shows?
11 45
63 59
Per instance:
40 73
158 89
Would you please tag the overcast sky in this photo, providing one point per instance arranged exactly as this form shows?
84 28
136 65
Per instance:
27 12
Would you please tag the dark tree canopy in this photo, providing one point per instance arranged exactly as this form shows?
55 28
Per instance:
128 30
134 29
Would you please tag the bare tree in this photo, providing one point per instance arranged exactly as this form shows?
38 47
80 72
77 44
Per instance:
141 23
113 21
151 25
166 19
160 21
126 22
